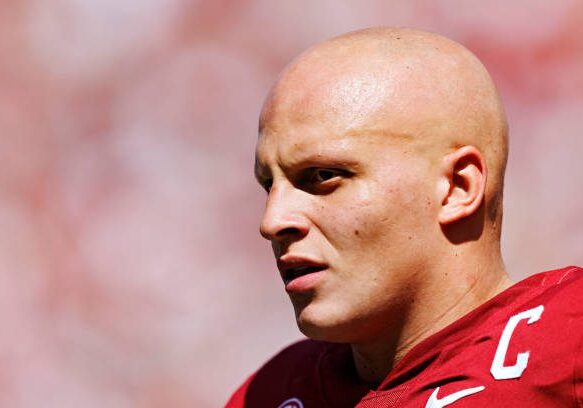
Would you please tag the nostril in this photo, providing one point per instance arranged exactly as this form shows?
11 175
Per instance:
289 232
282 232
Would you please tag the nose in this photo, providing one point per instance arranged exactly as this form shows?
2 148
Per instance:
284 217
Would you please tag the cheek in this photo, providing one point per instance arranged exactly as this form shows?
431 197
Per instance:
393 205
353 214
357 220
384 216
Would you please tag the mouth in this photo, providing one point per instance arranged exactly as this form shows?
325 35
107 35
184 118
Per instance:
292 268
294 273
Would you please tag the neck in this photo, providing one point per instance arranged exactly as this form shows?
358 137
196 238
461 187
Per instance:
443 304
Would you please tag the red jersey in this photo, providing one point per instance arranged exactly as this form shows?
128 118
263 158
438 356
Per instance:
521 348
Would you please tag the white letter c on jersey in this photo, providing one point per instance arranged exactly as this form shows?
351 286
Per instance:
498 370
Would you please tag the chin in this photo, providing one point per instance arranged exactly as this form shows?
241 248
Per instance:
324 327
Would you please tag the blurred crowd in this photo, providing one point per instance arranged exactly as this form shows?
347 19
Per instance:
132 273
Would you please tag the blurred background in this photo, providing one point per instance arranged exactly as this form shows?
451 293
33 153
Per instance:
132 273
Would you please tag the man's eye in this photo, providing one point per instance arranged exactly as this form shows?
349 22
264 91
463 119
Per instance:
322 175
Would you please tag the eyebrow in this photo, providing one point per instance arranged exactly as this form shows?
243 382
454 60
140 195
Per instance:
321 159
311 160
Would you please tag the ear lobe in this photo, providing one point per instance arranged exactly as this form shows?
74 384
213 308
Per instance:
462 184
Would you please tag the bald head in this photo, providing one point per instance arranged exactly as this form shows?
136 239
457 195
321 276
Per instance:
409 86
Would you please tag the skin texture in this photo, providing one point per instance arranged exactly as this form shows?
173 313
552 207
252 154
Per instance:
383 154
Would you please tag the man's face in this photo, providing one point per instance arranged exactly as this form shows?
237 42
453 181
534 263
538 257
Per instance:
348 213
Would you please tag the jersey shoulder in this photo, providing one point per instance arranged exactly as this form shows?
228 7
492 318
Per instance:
560 288
564 308
291 373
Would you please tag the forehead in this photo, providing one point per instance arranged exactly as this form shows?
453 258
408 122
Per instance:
289 144
340 100
322 116
314 144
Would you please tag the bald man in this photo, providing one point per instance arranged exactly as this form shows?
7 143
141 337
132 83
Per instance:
382 153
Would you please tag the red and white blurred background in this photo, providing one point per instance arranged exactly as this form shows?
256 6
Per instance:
131 270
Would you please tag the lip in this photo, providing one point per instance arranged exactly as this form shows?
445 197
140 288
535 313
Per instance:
299 273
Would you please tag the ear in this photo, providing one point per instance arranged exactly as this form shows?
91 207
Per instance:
462 184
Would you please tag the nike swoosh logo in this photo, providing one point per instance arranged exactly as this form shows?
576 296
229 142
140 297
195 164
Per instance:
434 402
